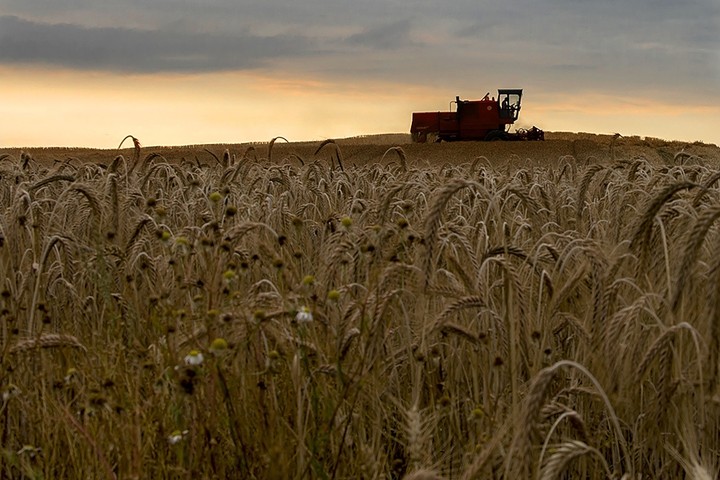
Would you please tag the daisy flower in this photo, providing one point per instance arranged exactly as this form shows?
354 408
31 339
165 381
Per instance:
304 315
194 358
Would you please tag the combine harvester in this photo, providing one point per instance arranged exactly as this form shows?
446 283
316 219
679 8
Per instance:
485 120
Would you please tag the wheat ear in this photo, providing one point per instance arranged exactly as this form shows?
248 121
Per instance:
434 218
47 340
692 250
643 229
564 454
423 475
582 191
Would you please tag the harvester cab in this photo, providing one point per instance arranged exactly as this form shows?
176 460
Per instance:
509 103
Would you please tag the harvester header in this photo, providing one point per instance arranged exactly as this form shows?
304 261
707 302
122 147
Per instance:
488 119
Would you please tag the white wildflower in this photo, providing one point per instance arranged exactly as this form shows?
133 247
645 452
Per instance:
176 437
70 375
10 392
304 315
194 358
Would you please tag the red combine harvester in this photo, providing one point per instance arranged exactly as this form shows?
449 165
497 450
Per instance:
487 120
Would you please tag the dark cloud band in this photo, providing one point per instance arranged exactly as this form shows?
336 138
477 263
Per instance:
132 50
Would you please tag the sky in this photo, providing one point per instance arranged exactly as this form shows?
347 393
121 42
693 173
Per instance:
181 72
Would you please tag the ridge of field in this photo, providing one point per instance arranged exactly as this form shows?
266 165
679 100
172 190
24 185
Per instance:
584 147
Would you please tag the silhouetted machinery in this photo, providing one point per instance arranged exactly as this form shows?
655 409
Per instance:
486 120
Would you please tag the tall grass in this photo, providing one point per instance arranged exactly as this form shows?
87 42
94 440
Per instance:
305 318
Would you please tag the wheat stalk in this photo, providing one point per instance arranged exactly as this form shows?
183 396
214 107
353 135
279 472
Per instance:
400 153
48 180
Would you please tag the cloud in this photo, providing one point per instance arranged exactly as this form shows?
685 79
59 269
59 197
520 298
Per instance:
387 36
135 50
633 46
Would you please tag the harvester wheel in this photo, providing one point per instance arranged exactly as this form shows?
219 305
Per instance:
495 136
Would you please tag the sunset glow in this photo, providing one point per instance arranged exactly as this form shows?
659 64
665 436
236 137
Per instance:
70 77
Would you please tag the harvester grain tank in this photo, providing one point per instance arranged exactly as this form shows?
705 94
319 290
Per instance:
488 119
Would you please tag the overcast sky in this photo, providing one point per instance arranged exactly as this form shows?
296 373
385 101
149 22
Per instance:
79 72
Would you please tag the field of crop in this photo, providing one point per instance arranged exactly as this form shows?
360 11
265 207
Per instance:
359 310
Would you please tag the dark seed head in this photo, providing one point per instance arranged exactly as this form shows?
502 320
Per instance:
187 385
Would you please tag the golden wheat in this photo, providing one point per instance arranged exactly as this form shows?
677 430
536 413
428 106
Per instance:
465 311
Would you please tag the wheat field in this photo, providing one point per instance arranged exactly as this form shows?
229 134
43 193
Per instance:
342 310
